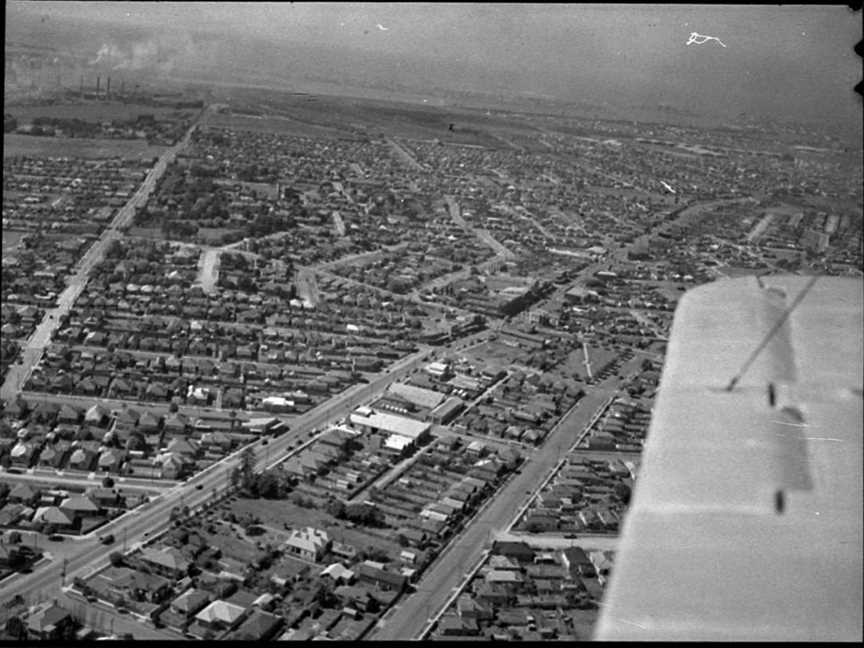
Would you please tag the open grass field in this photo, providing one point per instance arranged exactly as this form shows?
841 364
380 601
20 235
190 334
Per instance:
276 513
574 366
213 235
277 124
78 147
332 116
92 111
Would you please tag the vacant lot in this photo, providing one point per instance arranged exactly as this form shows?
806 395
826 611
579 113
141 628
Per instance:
495 354
78 147
331 116
276 124
93 111
575 364
215 235
277 513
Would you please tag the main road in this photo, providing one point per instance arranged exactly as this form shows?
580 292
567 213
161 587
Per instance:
36 343
152 518
443 577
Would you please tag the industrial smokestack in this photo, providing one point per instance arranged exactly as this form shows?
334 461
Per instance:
98 83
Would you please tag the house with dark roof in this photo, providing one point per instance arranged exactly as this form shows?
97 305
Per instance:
168 561
68 414
259 626
23 493
371 574
140 586
175 423
190 602
519 551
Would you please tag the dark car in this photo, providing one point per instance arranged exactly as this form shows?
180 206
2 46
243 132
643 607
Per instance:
199 487
56 537
107 540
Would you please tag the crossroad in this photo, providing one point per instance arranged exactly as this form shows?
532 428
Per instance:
154 517
35 346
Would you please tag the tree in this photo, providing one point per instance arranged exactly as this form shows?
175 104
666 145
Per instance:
336 508
16 629
247 468
268 485
623 492
108 482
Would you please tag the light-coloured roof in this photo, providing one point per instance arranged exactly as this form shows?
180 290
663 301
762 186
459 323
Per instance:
391 423
397 442
421 397
308 539
337 571
220 611
746 521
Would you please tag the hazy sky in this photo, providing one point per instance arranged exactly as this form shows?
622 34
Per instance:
795 60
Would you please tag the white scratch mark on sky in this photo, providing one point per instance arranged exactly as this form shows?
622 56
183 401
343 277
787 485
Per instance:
700 39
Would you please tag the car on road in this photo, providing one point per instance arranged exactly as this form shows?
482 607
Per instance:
107 539
56 537
199 487
14 471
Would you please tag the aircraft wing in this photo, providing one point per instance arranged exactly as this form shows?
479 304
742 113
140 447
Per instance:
746 518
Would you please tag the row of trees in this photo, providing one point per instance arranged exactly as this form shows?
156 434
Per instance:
269 484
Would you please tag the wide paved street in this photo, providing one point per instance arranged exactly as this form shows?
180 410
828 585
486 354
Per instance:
439 582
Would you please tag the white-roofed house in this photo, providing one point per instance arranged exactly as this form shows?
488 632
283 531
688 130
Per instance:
219 616
308 543
339 573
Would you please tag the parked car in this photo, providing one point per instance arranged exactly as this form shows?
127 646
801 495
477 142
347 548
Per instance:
56 537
